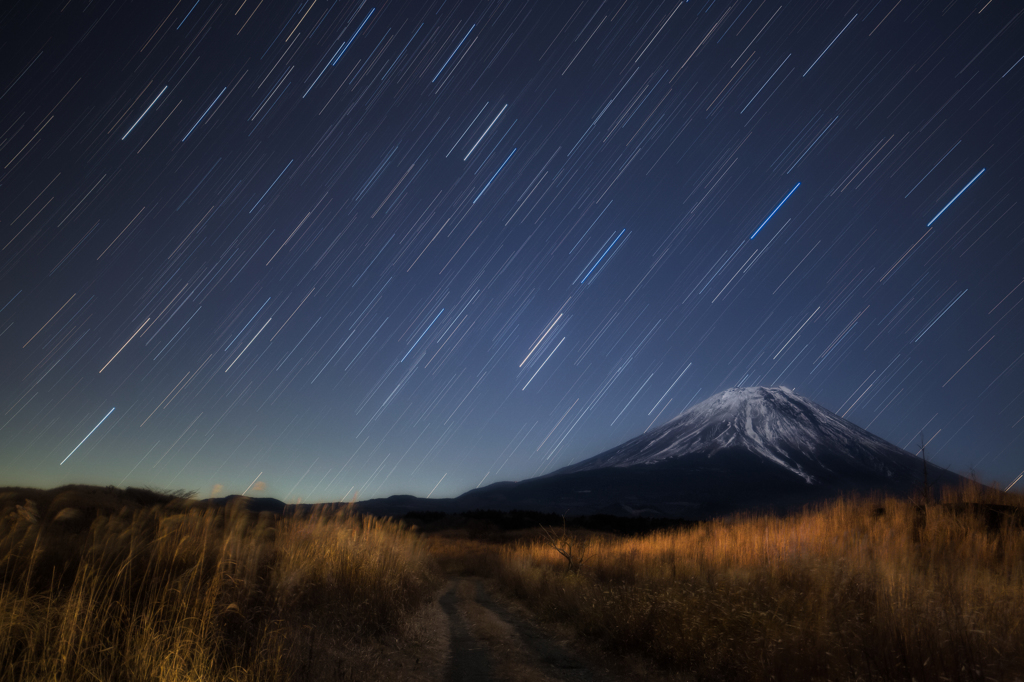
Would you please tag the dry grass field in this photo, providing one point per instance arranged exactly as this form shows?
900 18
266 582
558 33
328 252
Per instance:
134 585
103 584
857 590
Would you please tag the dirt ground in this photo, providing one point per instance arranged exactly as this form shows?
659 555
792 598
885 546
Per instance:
471 633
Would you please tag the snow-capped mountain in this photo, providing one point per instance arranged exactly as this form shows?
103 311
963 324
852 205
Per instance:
743 449
776 424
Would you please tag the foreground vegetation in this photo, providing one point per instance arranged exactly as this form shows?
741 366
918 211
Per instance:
101 584
132 585
856 590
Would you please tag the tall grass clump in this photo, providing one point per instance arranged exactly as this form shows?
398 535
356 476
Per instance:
181 592
882 589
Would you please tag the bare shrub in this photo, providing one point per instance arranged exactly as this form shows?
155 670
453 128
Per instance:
572 545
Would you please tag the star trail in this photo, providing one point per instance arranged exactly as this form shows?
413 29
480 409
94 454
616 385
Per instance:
330 250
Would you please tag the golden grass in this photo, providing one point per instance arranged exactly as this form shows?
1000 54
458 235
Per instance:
842 592
175 591
171 592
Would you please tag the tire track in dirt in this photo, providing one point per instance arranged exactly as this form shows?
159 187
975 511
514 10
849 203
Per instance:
490 642
470 658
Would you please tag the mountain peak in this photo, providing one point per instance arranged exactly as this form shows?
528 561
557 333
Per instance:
744 449
774 423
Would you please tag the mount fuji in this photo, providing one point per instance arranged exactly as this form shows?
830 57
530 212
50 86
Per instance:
743 449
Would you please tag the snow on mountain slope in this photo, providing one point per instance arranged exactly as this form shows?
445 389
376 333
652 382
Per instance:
775 423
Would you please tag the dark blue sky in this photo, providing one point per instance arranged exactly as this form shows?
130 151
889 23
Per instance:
358 248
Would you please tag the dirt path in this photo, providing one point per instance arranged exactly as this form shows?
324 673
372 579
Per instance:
489 641
471 632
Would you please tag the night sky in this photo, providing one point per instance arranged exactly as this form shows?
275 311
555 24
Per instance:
348 249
